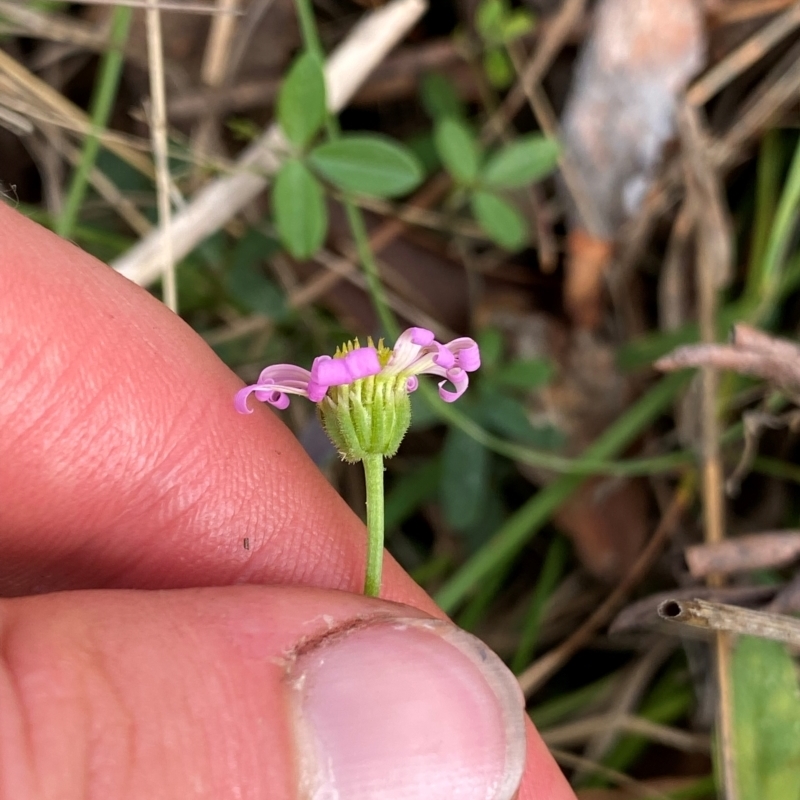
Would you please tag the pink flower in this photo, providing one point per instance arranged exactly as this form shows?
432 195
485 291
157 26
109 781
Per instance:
416 353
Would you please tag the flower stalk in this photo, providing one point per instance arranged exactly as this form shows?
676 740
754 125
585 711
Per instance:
373 475
362 398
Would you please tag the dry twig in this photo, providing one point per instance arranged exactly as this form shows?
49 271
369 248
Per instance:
541 669
731 620
767 550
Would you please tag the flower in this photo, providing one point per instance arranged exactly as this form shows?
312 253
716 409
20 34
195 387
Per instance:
362 392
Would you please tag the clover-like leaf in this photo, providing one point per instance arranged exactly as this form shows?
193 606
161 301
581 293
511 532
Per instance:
499 219
458 149
298 203
528 159
301 101
368 164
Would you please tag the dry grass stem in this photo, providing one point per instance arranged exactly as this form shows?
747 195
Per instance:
713 617
554 33
637 680
213 70
769 550
187 6
712 269
614 776
63 112
749 353
158 130
541 669
744 56
576 733
53 27
546 118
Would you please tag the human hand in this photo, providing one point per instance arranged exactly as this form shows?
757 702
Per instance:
124 468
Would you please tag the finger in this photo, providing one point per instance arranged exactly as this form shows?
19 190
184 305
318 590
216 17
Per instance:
252 692
122 460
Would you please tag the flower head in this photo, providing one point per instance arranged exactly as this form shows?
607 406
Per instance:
362 392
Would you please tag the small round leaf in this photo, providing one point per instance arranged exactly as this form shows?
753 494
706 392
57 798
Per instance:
500 220
458 149
368 164
298 203
525 161
301 101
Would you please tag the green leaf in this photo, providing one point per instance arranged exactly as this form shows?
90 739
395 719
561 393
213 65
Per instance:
243 129
498 68
301 100
410 491
368 164
246 282
524 373
298 202
490 342
517 23
767 721
465 479
528 159
424 150
506 417
458 149
489 18
440 97
500 220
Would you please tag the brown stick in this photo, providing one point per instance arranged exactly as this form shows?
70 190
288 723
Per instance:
731 619
758 551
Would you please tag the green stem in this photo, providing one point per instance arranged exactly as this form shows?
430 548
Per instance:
355 218
373 465
373 473
521 527
552 569
104 94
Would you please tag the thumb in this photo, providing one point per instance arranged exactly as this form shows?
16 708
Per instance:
249 692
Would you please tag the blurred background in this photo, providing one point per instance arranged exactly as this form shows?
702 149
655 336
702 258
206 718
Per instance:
580 186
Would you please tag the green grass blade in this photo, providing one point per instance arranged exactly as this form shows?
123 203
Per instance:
102 102
529 519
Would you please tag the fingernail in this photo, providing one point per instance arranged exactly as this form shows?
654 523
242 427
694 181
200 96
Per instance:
406 709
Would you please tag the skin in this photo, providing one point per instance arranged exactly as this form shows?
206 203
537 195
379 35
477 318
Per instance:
123 467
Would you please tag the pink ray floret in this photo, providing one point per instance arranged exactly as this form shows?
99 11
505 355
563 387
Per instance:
416 353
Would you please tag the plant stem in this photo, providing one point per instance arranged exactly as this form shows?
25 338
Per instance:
355 218
521 526
105 91
373 465
373 473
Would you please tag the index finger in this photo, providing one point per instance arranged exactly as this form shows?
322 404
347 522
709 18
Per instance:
122 460
124 464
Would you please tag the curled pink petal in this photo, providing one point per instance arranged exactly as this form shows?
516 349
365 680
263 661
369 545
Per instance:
412 384
264 392
469 358
420 336
240 400
363 362
459 378
443 357
359 363
316 391
285 374
273 396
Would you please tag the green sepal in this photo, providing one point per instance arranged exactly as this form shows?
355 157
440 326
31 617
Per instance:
368 417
